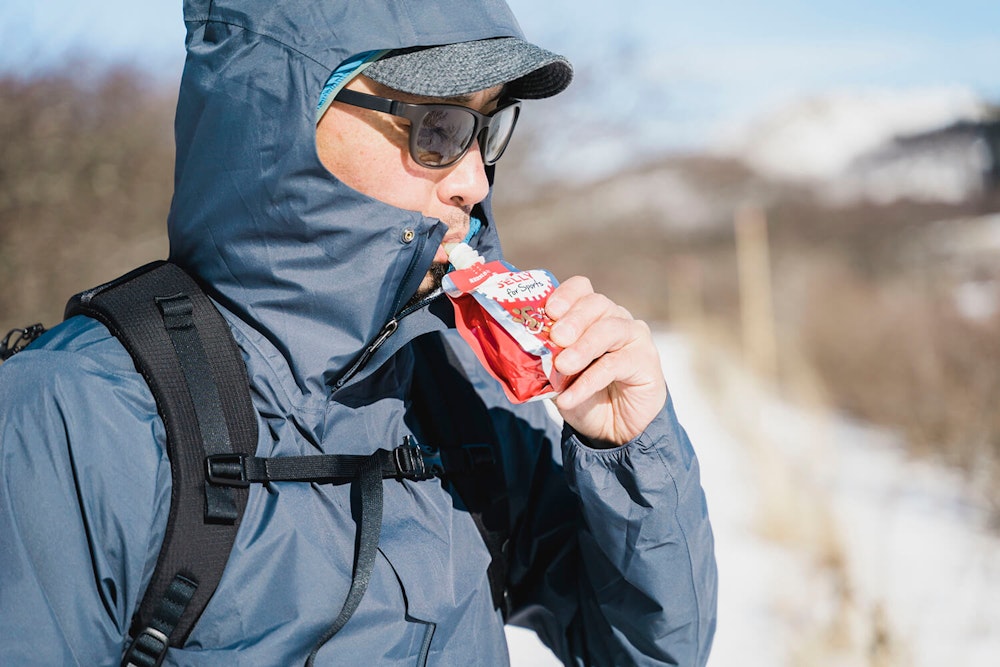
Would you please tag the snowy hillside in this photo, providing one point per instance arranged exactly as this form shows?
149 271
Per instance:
820 136
843 143
833 548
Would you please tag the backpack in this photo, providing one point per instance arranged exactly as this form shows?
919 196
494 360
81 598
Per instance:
174 333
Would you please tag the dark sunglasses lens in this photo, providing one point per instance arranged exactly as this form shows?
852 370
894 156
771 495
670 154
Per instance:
442 136
499 134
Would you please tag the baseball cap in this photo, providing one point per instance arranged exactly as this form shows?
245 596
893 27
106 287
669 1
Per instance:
451 70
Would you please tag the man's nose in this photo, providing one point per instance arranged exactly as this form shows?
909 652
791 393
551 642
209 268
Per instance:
466 183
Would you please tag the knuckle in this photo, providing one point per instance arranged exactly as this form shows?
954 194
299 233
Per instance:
582 283
599 303
614 328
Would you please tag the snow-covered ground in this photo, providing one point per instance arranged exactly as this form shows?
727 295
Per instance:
834 548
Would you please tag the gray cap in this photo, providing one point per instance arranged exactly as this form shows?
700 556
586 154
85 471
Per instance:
530 72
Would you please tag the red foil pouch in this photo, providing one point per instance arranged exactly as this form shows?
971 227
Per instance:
500 312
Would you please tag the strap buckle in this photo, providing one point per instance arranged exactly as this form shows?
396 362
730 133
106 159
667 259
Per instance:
227 469
18 339
415 462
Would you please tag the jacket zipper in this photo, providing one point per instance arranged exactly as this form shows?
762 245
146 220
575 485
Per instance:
383 335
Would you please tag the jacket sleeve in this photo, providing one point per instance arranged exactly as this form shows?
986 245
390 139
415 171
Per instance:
614 563
77 511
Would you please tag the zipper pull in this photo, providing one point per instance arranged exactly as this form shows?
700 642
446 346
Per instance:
389 329
383 335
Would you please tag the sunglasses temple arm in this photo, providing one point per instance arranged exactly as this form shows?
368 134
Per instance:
368 101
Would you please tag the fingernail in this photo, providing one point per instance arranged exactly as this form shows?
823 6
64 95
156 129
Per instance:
556 307
563 333
566 362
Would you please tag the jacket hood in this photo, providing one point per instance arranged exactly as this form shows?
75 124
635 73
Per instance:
314 267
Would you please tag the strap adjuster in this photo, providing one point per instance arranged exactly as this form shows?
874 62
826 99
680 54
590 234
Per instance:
227 470
409 461
147 650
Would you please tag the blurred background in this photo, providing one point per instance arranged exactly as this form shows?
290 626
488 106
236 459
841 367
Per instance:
802 198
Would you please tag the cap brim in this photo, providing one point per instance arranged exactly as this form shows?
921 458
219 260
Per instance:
451 70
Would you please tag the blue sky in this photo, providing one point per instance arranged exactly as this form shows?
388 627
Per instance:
695 66
712 56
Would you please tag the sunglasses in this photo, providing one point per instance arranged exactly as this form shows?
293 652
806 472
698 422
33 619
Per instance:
441 134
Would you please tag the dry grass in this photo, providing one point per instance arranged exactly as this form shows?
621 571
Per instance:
86 174
831 622
895 351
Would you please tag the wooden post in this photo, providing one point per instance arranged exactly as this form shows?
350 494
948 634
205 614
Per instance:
760 346
686 288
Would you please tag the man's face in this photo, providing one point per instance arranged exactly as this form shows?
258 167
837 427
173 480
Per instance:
368 151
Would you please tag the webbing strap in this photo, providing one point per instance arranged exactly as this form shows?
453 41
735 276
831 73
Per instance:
408 461
369 531
178 319
404 462
150 646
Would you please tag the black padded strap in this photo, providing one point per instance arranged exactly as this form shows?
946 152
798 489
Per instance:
169 355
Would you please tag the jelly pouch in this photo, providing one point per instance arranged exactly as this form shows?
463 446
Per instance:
500 313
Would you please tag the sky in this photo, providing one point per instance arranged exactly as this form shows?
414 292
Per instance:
685 73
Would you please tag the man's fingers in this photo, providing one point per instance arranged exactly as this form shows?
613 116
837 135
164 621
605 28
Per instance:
606 335
566 295
585 312
621 367
598 376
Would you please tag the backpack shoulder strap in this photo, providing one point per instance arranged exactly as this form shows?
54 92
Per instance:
184 349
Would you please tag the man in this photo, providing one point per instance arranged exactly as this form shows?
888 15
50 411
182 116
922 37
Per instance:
314 214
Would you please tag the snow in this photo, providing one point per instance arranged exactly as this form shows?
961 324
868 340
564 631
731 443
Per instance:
834 547
819 137
527 651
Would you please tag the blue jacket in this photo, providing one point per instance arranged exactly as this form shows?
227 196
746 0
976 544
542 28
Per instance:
611 554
